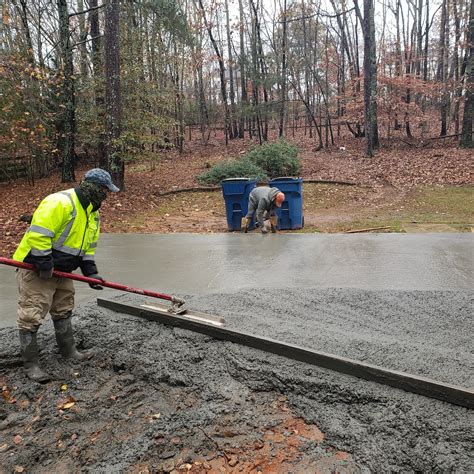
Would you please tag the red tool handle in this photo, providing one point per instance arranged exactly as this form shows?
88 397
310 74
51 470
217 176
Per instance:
95 281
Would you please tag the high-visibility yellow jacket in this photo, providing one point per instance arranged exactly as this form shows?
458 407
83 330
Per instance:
63 232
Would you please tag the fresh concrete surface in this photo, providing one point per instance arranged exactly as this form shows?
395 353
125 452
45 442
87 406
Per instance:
403 302
201 264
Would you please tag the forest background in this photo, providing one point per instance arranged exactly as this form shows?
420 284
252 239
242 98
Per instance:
378 94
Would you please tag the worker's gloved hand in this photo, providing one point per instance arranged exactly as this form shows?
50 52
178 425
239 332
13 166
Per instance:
96 286
264 230
46 274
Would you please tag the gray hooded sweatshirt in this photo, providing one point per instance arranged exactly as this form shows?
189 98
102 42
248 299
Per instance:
262 199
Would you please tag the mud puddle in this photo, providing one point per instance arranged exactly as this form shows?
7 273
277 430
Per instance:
157 399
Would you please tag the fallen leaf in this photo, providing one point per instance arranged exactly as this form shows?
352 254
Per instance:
66 403
17 439
24 404
185 466
3 447
19 469
7 396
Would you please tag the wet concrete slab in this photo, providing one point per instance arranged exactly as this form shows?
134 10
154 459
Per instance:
200 264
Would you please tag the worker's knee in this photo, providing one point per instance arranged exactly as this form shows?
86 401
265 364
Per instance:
35 299
63 303
30 318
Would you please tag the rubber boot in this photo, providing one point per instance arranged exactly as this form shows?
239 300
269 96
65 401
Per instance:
273 223
65 340
30 354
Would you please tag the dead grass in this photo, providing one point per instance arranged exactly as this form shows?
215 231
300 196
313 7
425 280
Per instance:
327 208
336 209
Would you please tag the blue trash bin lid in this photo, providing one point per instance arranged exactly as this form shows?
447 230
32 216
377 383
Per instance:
285 178
236 179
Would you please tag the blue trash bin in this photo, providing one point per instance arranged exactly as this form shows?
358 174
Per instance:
236 196
290 214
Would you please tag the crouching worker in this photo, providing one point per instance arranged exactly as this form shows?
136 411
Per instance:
63 236
263 200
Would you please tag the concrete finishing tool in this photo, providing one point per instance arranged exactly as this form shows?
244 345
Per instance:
177 304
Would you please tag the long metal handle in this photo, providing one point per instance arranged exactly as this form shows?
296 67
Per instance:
116 286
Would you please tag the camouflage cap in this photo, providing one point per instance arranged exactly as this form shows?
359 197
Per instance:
102 177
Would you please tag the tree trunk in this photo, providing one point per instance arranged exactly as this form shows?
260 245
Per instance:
67 124
263 73
83 33
24 20
427 31
455 66
113 100
466 134
281 132
220 60
442 66
97 68
255 81
370 78
243 85
232 121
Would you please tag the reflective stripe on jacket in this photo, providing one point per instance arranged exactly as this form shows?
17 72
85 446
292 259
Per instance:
61 230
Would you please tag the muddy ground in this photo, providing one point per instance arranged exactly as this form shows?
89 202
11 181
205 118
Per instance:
157 399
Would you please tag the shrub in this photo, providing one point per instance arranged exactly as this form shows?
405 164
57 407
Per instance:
276 159
232 169
262 162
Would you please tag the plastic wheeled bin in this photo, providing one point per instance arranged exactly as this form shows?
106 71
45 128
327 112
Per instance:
236 196
290 214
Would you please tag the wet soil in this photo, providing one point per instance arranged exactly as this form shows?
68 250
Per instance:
158 399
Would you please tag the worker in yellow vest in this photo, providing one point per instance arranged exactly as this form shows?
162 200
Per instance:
63 235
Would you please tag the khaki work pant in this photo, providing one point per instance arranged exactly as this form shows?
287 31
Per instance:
39 296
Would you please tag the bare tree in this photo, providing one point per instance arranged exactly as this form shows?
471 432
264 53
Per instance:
442 75
283 73
113 99
97 67
220 60
67 119
370 76
233 130
466 135
243 77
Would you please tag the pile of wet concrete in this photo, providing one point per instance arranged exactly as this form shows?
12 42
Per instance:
156 398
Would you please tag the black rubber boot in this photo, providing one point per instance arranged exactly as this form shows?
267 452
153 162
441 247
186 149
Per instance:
273 224
65 340
30 354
